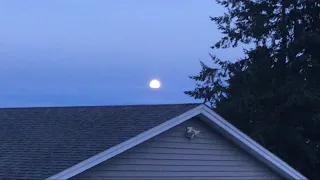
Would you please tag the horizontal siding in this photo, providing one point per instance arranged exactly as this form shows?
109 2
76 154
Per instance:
178 168
183 178
172 156
178 162
186 151
189 146
173 173
201 157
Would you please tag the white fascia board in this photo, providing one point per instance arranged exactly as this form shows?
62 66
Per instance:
250 146
224 127
115 150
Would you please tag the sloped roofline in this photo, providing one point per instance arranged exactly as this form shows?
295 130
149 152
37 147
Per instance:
206 114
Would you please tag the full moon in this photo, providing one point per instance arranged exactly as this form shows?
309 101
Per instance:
155 84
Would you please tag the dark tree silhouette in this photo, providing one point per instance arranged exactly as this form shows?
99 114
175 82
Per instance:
273 92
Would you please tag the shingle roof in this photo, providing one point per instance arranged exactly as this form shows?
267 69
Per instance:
36 143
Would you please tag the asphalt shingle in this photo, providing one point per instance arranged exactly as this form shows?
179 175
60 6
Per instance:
36 143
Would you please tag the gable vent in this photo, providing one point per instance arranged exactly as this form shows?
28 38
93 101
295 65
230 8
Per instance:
191 132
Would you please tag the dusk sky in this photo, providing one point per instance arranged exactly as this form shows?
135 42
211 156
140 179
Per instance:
103 52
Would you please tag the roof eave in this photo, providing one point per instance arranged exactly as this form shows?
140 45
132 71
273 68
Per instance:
206 114
249 145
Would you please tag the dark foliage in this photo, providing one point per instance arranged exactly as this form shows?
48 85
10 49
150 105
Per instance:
273 93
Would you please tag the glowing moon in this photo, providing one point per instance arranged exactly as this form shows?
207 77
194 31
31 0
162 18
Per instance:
155 84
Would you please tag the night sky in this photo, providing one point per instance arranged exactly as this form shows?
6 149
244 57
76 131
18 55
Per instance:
103 52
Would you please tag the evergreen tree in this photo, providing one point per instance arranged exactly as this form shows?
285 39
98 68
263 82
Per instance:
273 92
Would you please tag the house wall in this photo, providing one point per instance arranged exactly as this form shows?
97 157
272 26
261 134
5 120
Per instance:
171 155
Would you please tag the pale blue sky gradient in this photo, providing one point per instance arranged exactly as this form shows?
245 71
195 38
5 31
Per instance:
103 52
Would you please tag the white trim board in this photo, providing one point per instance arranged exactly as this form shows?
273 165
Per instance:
218 123
250 146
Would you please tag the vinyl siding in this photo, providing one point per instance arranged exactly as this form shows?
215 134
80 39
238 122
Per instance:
171 155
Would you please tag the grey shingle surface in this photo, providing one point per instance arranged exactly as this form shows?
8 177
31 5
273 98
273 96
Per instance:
36 143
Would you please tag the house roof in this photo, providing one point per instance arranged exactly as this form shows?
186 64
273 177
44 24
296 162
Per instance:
61 142
37 143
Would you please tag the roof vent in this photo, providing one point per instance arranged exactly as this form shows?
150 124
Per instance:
191 132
